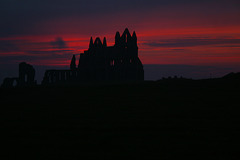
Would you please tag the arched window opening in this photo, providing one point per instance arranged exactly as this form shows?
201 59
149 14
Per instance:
14 83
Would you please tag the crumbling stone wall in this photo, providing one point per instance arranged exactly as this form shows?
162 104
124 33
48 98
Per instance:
26 74
26 77
103 63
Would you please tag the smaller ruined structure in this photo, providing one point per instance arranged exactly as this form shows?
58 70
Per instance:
26 77
26 74
99 63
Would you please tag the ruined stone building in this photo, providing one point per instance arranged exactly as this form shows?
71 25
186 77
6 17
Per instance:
100 62
25 78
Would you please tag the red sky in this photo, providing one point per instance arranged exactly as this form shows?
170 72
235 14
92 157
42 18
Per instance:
169 32
192 46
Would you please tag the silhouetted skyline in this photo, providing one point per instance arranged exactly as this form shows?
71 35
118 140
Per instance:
81 111
102 63
197 33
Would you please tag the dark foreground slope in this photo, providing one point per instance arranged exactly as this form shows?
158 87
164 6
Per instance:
168 119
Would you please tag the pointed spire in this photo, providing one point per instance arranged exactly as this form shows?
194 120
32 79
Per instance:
126 30
98 42
134 35
117 35
117 38
104 42
91 43
134 38
126 36
73 63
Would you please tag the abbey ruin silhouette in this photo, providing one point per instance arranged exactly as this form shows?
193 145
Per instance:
100 62
26 77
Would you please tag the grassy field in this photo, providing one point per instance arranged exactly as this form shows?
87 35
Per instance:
168 119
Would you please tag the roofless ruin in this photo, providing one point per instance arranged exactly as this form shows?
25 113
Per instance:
100 62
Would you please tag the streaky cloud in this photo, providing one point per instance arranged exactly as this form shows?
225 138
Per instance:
191 42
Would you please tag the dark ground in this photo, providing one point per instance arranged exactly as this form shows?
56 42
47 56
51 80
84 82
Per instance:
168 119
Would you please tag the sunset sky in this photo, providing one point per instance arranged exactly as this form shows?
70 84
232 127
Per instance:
170 32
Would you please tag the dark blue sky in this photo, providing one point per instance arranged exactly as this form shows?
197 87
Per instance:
170 32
